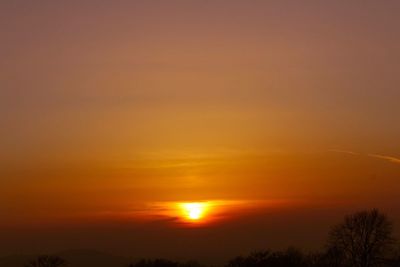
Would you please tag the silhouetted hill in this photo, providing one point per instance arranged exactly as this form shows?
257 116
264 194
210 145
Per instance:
75 258
14 260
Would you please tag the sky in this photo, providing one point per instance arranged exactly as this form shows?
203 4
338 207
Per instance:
283 116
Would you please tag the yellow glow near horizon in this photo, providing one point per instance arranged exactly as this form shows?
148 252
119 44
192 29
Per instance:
200 213
194 211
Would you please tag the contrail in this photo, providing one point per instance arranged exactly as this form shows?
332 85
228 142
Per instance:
388 158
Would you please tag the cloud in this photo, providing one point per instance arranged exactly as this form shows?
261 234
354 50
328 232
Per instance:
344 151
388 158
378 156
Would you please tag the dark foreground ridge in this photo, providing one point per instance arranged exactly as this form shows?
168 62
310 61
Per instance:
362 239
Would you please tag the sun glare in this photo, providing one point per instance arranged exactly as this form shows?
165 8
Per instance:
199 213
194 211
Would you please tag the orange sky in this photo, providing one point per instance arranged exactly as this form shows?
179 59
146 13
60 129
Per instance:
109 107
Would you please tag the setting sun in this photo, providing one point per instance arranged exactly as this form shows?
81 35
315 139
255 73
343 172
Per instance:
194 211
205 212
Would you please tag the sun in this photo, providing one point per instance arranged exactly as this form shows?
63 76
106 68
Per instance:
194 211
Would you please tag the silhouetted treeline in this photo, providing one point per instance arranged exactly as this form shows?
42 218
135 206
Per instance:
164 263
290 257
47 261
362 239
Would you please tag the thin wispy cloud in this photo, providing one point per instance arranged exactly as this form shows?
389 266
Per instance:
344 151
388 158
378 156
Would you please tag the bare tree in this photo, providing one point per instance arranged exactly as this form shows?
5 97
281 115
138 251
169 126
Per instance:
363 238
47 261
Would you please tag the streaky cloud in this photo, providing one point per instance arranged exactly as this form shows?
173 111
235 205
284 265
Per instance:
344 151
388 158
378 156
